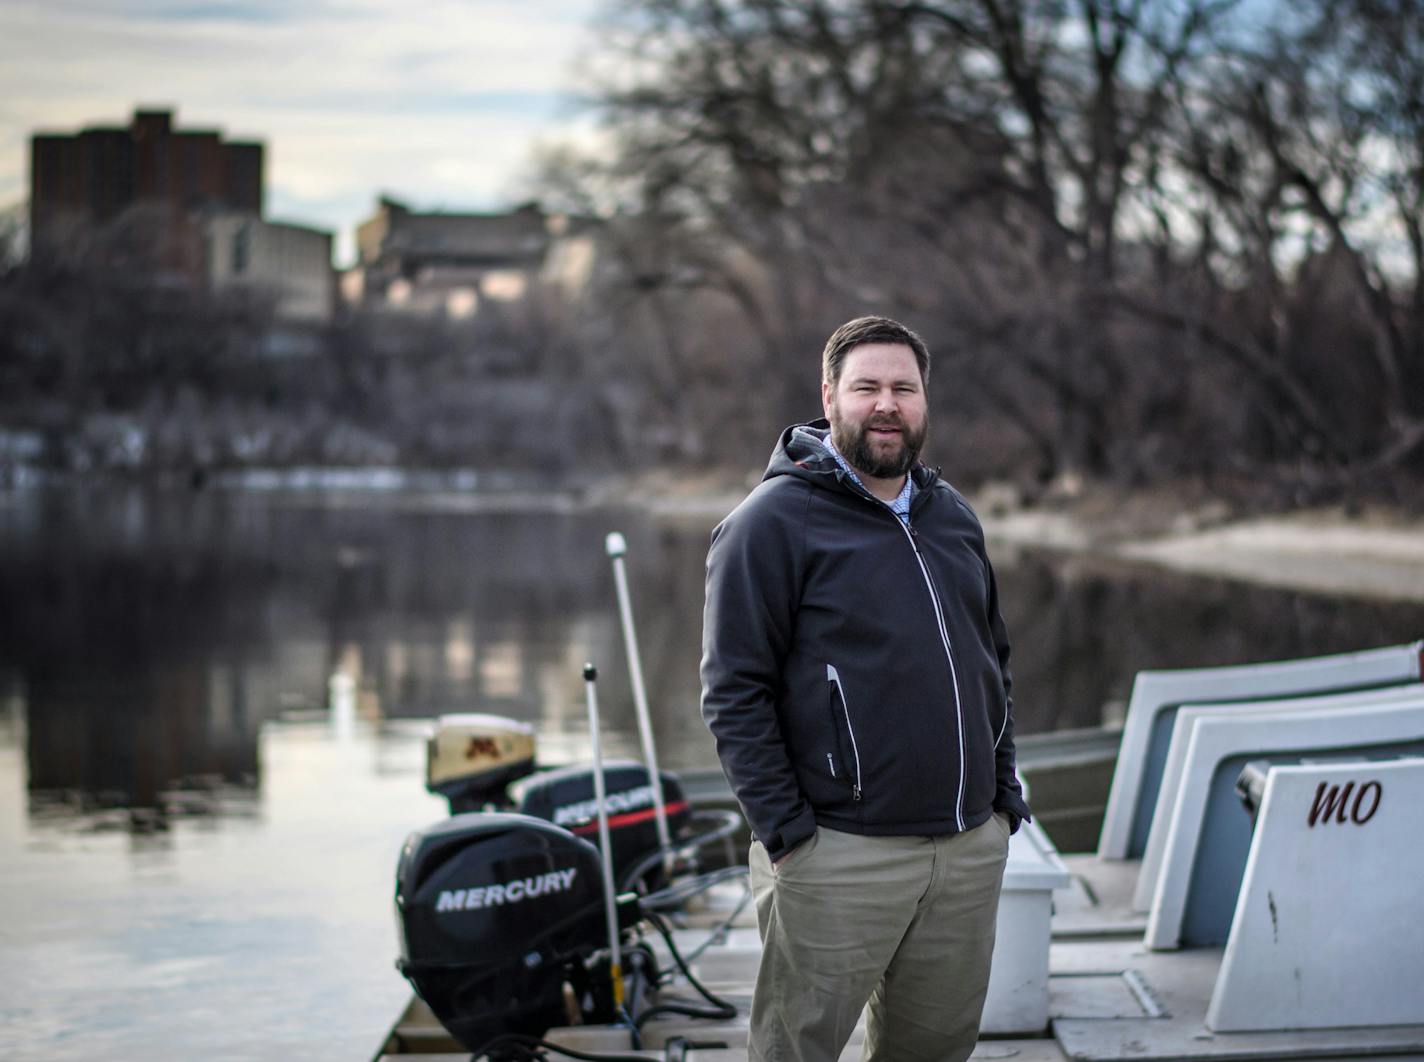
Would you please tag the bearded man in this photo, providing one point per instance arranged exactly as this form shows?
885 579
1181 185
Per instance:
855 676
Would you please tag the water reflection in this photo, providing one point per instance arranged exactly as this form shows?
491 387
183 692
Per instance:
267 934
1083 626
198 854
150 636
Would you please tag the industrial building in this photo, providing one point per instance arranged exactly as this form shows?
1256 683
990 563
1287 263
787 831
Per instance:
449 263
181 207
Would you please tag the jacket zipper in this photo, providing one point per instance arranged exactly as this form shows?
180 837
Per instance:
953 674
833 676
944 640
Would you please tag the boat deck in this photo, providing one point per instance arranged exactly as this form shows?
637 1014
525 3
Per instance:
1110 998
1098 902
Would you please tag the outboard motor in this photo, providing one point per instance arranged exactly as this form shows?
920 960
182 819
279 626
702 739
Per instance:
472 758
501 916
566 798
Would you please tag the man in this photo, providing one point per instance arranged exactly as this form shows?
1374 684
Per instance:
855 676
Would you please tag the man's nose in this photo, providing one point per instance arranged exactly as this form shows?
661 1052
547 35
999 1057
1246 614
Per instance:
885 401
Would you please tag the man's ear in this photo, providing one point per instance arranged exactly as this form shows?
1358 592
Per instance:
826 399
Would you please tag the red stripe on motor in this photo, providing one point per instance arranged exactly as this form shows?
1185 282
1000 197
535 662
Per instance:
629 818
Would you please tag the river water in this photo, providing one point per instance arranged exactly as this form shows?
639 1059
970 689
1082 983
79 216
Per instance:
197 861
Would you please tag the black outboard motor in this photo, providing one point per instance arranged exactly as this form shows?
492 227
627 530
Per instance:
566 798
498 912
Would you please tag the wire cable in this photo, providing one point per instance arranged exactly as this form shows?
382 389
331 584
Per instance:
722 1009
719 931
678 894
728 822
533 1048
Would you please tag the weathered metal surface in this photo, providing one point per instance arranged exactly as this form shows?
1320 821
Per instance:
1156 695
1181 982
1207 787
1098 902
1327 931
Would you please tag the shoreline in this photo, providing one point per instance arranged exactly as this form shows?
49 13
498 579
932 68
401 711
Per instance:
1373 552
1323 551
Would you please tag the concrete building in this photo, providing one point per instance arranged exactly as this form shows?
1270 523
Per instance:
183 208
89 179
288 263
445 263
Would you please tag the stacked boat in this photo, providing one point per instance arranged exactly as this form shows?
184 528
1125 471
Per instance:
1257 886
1257 893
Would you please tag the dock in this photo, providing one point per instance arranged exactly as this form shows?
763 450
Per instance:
1254 894
1110 998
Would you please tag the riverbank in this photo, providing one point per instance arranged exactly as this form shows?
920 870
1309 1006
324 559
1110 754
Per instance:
1324 552
1370 551
1374 551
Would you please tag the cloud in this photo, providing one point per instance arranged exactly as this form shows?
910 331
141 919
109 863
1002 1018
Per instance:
221 12
439 101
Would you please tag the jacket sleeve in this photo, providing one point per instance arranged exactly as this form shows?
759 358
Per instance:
754 583
1008 795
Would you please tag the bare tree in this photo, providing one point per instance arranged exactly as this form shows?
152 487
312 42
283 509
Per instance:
967 165
1131 224
1291 193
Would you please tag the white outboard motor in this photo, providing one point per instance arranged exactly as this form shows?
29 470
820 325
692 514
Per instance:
472 758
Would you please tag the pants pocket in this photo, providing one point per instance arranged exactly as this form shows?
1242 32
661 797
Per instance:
797 855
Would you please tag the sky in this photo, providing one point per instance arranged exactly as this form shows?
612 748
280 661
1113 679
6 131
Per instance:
440 103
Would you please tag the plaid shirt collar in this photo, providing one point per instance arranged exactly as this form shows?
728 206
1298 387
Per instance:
900 506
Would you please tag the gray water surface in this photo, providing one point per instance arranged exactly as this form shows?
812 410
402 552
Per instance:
195 862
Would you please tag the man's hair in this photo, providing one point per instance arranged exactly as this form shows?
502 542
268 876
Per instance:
870 330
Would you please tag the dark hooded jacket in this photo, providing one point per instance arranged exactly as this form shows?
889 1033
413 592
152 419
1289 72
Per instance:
855 670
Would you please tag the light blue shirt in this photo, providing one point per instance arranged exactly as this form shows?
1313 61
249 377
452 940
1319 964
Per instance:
900 506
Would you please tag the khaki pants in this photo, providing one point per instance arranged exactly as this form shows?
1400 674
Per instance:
906 923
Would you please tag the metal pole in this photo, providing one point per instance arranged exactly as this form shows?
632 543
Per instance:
615 969
617 547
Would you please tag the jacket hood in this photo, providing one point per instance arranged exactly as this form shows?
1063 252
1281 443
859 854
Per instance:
801 452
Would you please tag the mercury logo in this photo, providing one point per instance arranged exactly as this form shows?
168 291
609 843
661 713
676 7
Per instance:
584 810
509 892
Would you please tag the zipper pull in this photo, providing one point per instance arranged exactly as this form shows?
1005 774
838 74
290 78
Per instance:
855 791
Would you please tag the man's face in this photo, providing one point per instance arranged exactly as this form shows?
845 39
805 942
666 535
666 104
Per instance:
877 409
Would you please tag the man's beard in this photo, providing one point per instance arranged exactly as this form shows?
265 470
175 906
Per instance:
854 443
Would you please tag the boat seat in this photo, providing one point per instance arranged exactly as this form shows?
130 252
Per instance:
1157 695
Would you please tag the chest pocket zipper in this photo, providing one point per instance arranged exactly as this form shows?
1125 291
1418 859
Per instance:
834 678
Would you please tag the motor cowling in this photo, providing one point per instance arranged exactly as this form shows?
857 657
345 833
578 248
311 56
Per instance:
498 912
567 798
471 758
